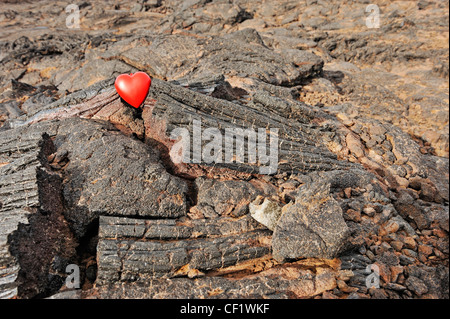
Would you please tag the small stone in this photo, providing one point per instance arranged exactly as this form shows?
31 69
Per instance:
137 7
345 119
377 219
407 294
409 242
415 183
329 295
61 156
423 258
356 295
395 287
425 249
51 157
195 213
376 130
195 273
440 233
376 249
388 258
409 253
345 275
208 211
430 193
371 143
384 272
268 213
444 224
354 145
392 227
344 287
337 292
386 246
416 285
407 206
391 237
397 245
395 272
398 170
370 255
369 211
290 184
355 204
348 192
404 260
402 182
362 249
442 245
401 279
378 293
55 166
423 5
352 215
152 3
438 253
257 24
384 216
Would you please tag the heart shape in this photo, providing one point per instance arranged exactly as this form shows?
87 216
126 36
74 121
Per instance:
133 88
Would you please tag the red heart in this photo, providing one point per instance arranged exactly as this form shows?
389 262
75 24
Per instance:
133 88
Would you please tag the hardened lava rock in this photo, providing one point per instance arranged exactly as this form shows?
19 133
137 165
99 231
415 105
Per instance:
359 181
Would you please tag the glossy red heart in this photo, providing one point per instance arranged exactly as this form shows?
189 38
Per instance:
133 88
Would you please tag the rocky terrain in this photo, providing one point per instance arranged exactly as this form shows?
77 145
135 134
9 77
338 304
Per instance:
357 206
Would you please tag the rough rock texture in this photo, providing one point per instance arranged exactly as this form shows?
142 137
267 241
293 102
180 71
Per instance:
293 280
361 172
300 136
35 238
313 226
131 249
110 174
